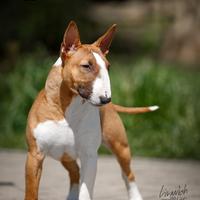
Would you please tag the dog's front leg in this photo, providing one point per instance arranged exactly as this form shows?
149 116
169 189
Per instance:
88 175
33 173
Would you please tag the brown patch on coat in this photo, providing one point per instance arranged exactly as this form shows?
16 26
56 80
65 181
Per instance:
72 167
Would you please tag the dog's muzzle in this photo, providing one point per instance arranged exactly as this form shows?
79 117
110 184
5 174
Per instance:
104 100
86 93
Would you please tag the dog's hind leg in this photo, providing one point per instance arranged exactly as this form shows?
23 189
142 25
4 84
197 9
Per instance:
115 139
33 173
72 167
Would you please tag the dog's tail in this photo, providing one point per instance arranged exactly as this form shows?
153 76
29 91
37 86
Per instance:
134 110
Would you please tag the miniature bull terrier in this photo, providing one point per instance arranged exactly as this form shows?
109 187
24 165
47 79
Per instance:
73 115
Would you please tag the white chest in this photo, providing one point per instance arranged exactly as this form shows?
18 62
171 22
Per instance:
79 131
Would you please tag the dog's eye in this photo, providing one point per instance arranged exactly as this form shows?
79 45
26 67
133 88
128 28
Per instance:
87 66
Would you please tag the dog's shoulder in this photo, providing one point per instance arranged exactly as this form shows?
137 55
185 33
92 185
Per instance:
44 107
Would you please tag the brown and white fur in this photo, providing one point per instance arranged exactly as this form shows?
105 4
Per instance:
73 115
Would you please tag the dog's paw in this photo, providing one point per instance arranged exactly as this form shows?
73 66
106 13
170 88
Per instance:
134 193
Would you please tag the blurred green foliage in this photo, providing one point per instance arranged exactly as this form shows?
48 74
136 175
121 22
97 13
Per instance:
172 131
18 89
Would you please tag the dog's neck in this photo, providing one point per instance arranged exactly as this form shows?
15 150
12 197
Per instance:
58 93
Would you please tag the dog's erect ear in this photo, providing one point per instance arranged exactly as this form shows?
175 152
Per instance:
71 40
104 41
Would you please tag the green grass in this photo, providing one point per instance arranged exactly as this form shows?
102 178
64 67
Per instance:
172 131
18 89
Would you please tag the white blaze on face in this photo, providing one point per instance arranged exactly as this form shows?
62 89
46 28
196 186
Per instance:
101 85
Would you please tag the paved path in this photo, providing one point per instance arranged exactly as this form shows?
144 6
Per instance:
151 175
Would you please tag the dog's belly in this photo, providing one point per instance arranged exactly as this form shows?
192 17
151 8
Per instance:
54 138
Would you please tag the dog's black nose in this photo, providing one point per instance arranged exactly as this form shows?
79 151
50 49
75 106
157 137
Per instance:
104 100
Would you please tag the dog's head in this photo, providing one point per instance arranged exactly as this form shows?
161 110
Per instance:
85 67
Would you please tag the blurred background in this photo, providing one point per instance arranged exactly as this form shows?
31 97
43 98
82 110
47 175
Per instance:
155 60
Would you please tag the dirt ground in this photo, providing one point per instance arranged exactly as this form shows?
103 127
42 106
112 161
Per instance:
155 177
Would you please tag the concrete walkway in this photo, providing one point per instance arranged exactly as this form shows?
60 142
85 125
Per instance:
151 175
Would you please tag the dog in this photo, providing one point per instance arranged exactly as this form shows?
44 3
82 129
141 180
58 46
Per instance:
73 115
